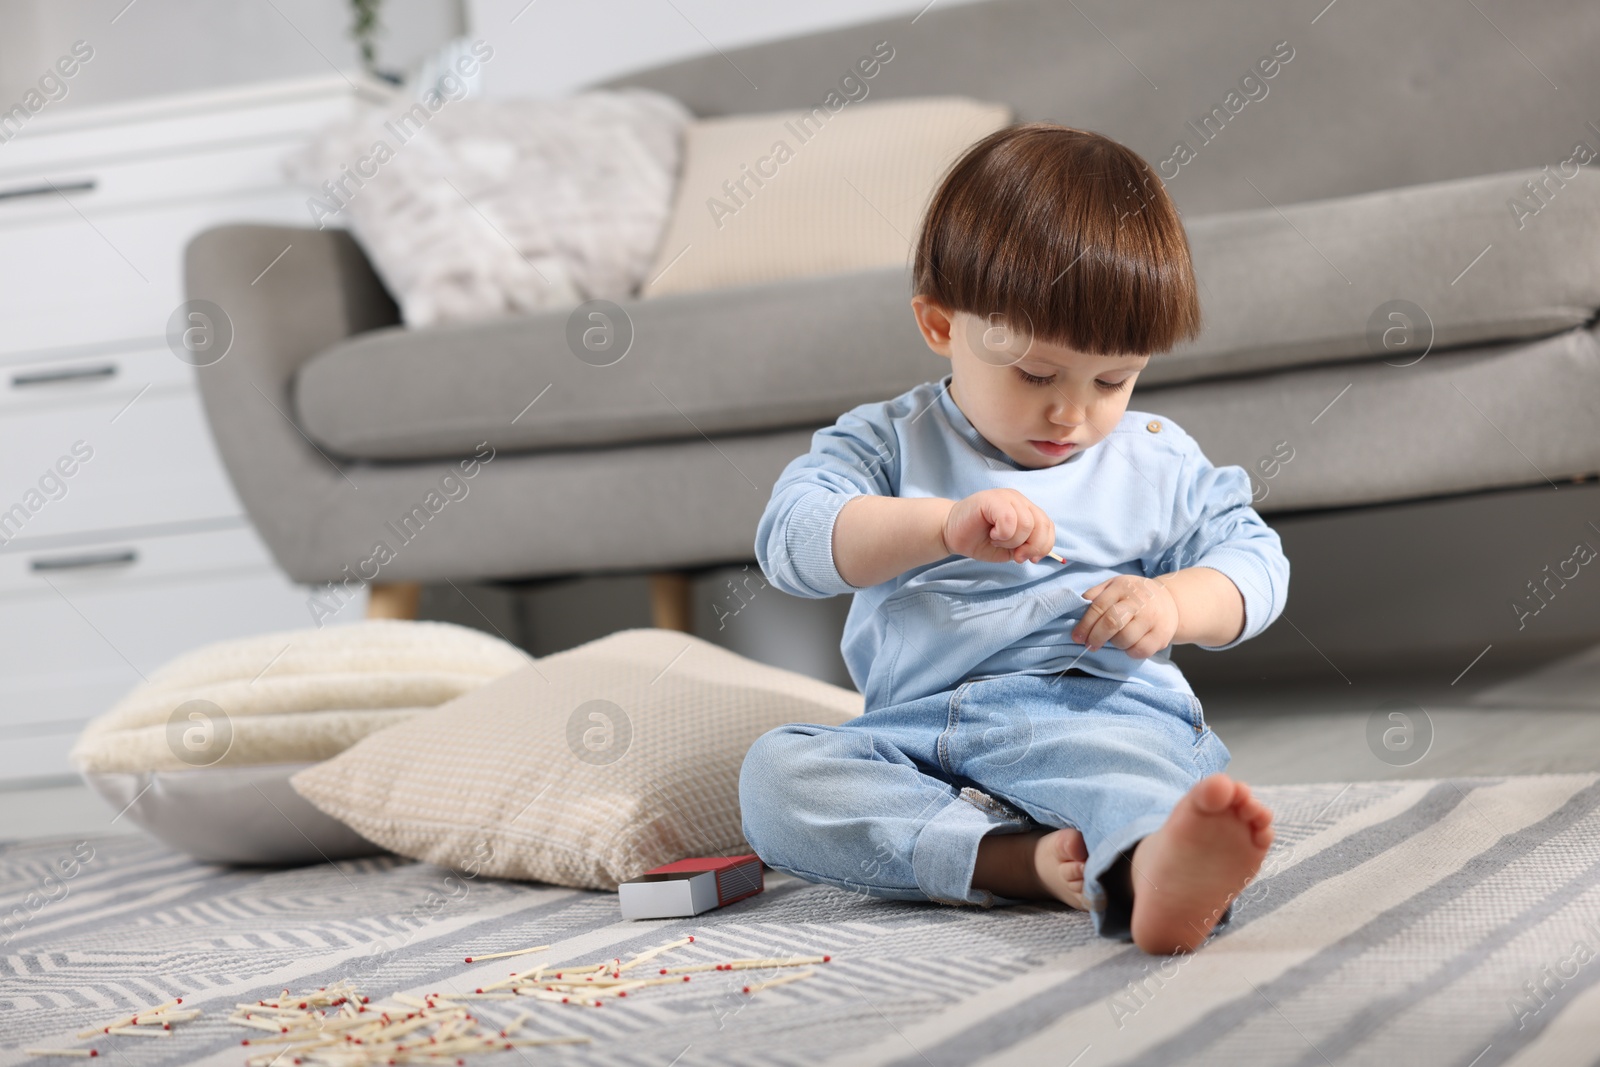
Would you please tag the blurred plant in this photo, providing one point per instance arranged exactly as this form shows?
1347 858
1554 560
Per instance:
364 27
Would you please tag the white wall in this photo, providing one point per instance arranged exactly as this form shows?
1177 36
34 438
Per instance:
543 48
155 47
548 48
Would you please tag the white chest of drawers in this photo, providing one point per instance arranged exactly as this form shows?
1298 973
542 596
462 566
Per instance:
121 542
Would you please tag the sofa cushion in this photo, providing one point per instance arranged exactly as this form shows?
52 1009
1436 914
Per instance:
692 366
585 768
1318 281
789 194
1462 420
1304 284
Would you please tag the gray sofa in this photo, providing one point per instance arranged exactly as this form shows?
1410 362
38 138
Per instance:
1377 309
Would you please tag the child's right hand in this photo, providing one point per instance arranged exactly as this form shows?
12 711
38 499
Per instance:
996 525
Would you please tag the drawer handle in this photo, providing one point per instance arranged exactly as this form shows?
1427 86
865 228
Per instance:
64 374
46 190
120 558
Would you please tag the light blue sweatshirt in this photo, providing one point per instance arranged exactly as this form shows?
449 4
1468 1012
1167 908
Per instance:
1143 501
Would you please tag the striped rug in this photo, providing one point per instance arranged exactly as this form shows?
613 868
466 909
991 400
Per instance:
1447 921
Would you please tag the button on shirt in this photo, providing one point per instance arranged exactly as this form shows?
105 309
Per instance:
1145 500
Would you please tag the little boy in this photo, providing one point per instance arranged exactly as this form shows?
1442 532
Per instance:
1026 734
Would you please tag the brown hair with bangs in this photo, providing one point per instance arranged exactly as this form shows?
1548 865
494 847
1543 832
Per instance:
1063 231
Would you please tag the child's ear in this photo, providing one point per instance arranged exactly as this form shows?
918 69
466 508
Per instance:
935 321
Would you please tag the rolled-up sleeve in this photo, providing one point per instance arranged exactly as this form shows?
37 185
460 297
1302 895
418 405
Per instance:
1213 525
856 456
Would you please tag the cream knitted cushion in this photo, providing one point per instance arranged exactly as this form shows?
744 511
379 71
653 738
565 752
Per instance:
200 753
296 695
757 203
584 768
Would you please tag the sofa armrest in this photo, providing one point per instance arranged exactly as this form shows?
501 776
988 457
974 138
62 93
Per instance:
319 292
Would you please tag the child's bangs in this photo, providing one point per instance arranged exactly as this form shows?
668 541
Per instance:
1066 235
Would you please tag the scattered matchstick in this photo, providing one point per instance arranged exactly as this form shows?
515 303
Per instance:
476 996
652 953
504 955
692 968
785 980
744 965
85 1053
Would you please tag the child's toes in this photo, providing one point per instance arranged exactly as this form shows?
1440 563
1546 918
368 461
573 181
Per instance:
1070 847
1074 885
1213 794
1253 812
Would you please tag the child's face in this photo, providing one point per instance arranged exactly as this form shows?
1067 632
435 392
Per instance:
990 383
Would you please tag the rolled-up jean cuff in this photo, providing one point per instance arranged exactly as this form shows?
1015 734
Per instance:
1106 853
946 852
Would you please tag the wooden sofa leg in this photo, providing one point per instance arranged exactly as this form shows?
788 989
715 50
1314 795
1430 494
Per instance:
393 600
669 600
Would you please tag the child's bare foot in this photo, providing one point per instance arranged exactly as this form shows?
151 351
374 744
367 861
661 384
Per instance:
1037 865
1186 873
1058 857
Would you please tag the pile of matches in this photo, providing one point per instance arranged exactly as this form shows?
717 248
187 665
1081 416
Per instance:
587 985
338 1027
146 1022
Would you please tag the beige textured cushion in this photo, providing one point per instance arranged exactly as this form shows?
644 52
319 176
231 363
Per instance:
289 697
838 191
583 769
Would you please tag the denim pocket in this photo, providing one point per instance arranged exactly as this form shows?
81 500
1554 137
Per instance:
1197 717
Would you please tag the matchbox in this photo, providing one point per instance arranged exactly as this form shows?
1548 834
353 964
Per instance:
690 886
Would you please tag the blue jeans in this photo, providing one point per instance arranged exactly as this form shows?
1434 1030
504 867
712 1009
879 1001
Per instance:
894 802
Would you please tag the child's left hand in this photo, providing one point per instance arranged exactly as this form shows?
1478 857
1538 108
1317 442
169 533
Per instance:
1137 615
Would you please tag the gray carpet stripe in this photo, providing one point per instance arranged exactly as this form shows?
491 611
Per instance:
1510 1039
1006 1028
138 876
1224 1018
49 924
367 935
